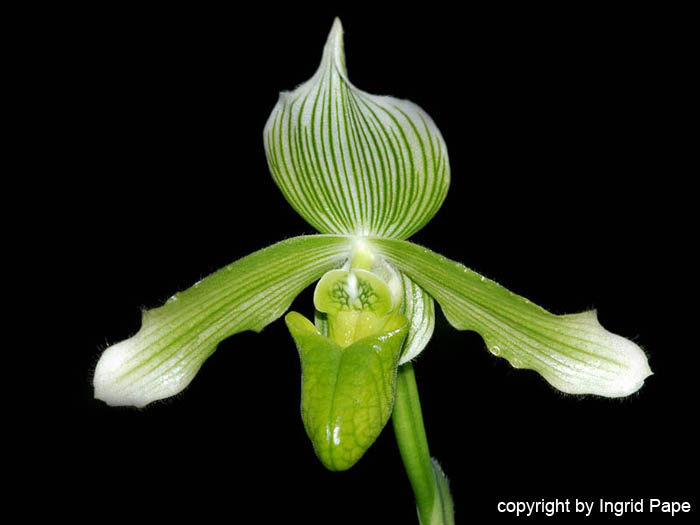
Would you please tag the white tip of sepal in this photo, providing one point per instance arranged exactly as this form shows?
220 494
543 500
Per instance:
334 48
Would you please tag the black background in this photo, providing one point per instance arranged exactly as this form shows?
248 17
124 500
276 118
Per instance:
564 133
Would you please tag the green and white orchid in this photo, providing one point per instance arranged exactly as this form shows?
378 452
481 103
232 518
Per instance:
367 172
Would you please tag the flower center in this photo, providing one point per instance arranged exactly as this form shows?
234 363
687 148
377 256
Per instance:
360 299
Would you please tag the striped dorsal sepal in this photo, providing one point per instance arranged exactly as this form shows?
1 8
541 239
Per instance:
354 163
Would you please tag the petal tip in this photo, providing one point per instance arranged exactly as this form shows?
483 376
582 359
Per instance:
114 383
634 365
638 371
105 381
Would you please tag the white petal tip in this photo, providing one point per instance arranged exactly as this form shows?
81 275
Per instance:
634 366
634 376
110 368
631 365
119 380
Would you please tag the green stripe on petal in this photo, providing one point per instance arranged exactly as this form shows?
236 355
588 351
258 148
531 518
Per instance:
419 309
354 163
574 353
175 339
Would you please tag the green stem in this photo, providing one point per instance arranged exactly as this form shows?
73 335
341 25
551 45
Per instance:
428 482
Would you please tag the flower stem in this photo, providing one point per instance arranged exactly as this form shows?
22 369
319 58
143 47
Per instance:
427 480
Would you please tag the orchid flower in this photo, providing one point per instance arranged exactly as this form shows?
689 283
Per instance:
366 172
